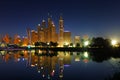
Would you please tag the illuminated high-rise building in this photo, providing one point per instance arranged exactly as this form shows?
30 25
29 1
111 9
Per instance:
49 30
6 39
85 37
17 39
43 33
56 37
49 34
29 35
77 39
43 24
25 41
67 37
38 30
61 31
53 32
34 36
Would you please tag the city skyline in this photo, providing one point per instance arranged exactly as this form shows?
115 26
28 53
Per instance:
91 17
45 33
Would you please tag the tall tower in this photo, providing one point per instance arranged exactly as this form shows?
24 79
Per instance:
38 30
61 31
67 37
43 31
53 32
49 32
29 35
43 24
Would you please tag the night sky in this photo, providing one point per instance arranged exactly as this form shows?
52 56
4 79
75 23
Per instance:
81 17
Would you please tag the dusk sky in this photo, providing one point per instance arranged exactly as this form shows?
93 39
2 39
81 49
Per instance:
91 17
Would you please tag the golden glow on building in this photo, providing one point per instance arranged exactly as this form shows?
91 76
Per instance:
43 34
49 34
77 39
34 36
67 37
25 41
61 31
17 39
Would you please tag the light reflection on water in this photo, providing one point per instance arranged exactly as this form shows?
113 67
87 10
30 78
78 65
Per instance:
56 65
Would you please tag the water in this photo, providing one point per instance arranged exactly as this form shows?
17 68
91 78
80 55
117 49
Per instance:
42 65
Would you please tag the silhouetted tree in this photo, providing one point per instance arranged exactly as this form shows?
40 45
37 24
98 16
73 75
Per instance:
55 44
100 42
51 43
37 44
43 44
71 44
77 44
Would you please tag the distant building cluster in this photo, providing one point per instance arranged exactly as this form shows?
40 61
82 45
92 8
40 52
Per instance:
49 34
46 32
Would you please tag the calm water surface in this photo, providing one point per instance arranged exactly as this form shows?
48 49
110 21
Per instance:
38 65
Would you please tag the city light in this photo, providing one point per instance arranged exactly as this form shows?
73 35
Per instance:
66 43
113 42
48 44
29 46
86 43
32 65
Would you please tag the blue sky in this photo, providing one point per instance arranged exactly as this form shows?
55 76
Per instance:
92 17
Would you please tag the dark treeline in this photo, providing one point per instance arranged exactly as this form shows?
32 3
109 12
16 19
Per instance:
100 42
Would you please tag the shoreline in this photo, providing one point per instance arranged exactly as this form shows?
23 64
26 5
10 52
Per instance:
62 49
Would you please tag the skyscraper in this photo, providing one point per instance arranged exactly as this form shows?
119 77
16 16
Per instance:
49 30
77 39
25 41
67 37
34 37
61 31
43 33
48 33
17 39
53 32
38 30
29 36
